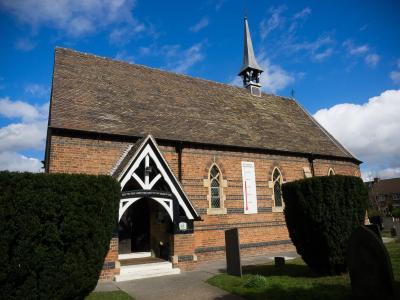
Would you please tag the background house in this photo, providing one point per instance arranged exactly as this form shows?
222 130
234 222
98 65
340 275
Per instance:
384 194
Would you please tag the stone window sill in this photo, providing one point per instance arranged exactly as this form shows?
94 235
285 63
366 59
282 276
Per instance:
277 209
216 211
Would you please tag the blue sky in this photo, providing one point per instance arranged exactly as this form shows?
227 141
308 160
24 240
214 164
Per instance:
342 59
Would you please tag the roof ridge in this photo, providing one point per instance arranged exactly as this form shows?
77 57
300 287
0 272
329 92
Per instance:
165 71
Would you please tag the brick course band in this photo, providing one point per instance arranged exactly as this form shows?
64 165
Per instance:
230 197
235 210
239 225
243 246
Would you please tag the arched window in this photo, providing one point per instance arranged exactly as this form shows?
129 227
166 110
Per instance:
215 187
215 184
277 187
331 172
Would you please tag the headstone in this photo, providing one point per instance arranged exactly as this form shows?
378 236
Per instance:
279 261
370 268
232 250
393 231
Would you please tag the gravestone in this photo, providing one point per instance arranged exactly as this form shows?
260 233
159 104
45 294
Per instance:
393 231
232 250
370 268
279 261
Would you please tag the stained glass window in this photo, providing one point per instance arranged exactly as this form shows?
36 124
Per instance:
277 181
215 179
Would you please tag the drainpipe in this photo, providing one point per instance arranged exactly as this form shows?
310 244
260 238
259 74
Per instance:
179 149
311 161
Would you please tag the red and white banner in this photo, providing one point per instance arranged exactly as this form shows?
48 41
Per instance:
249 188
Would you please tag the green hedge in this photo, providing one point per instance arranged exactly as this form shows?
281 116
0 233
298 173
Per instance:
55 233
321 213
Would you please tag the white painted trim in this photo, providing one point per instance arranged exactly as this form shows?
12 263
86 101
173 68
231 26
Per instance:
124 204
169 182
146 176
148 151
162 157
154 181
122 208
168 207
141 183
133 168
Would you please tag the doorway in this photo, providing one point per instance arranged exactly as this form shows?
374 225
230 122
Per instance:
145 227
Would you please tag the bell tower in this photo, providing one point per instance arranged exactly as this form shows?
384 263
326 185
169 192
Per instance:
250 70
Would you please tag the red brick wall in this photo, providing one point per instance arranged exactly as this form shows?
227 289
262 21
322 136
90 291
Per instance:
111 264
74 155
261 233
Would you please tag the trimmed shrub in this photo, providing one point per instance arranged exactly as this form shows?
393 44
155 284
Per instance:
55 233
321 213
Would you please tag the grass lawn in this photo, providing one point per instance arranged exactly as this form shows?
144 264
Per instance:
294 281
118 295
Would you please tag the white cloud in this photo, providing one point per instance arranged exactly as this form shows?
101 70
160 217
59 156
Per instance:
323 55
395 76
203 23
275 21
12 161
299 18
123 35
37 90
368 175
23 136
19 109
182 60
303 14
30 134
355 50
369 130
24 44
74 17
288 42
218 4
274 77
372 60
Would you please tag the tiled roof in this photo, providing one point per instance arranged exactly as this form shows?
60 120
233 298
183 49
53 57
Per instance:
386 186
96 94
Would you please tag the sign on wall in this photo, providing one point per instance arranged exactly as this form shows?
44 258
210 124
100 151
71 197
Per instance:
249 188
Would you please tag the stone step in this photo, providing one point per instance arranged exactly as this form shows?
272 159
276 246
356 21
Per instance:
134 255
140 261
158 266
146 271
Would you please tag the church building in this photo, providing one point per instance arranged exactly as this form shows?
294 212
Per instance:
193 157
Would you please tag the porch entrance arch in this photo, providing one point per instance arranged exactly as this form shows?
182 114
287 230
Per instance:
145 227
153 206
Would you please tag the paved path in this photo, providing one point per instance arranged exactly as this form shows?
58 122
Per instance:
185 286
